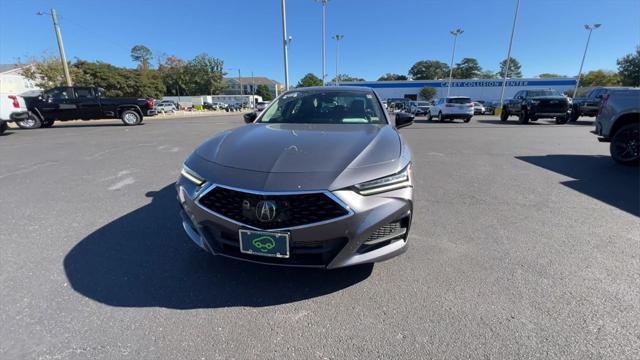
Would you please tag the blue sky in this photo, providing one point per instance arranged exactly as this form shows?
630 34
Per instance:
380 35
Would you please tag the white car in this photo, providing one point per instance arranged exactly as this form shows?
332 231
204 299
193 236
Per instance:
165 107
419 107
262 105
478 108
452 107
12 108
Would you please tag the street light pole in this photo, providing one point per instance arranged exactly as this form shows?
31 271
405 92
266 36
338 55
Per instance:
240 81
337 38
455 34
590 28
285 45
506 70
63 58
324 43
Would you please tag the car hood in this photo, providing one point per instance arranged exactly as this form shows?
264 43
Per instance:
551 97
302 148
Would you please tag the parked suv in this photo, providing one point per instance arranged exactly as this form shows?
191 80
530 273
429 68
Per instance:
537 104
452 107
419 107
618 122
589 105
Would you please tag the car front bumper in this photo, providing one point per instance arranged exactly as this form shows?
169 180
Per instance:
345 241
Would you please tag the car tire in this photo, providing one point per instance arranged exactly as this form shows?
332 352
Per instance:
47 124
504 115
467 119
533 118
574 116
429 116
523 117
440 117
625 145
561 120
3 127
31 122
130 118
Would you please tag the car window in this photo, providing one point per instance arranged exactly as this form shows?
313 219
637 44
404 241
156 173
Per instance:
84 93
547 92
324 107
58 94
460 100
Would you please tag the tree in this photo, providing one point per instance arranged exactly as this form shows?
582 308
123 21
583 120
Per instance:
428 93
48 73
392 77
551 76
600 78
514 68
629 68
263 91
142 55
488 74
467 68
173 74
346 78
204 75
429 70
309 80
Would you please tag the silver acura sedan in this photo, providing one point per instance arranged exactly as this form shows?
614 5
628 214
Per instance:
320 178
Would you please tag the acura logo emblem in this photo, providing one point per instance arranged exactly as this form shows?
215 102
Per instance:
266 210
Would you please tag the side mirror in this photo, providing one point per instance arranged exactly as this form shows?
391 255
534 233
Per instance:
403 119
250 117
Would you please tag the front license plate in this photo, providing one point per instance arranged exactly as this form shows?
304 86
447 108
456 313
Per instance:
264 243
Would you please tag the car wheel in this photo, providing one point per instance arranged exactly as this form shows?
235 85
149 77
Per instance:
523 118
560 120
574 116
467 119
625 145
504 115
32 122
47 123
3 127
429 116
130 118
440 117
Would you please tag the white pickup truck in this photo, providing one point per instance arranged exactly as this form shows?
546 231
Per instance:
12 108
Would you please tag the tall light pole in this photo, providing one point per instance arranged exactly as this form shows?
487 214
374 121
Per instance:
324 35
590 28
63 58
337 38
455 34
285 44
506 69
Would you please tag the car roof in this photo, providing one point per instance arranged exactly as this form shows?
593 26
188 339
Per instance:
333 88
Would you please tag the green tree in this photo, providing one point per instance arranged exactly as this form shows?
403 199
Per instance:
142 55
488 74
392 77
174 75
204 75
429 70
629 68
346 78
600 78
467 68
263 91
309 80
551 76
428 93
515 70
48 73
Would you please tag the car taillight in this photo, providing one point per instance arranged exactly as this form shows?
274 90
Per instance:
605 97
15 102
150 103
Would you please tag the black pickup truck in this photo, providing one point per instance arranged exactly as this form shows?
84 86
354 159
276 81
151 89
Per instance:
537 104
588 105
83 103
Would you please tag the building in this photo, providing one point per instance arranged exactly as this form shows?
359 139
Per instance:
250 85
477 89
13 82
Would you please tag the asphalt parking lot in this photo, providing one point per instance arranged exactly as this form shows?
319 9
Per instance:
525 244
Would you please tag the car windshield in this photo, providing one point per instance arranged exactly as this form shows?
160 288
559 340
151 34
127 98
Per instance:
460 100
423 103
549 92
324 107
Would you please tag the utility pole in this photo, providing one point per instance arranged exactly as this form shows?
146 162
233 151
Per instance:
455 34
506 70
337 38
240 82
324 43
63 57
285 44
590 28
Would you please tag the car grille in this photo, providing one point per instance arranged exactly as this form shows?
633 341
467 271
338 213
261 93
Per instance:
386 234
551 106
290 210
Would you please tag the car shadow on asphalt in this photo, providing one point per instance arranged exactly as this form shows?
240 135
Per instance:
596 176
144 259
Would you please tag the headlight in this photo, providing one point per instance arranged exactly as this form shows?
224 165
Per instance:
535 102
192 176
388 183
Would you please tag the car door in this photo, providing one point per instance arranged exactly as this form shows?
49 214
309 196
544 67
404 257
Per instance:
88 106
514 105
57 103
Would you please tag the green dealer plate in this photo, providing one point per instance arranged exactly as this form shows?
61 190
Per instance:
264 243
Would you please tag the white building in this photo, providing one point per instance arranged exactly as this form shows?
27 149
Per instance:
250 85
477 89
13 82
